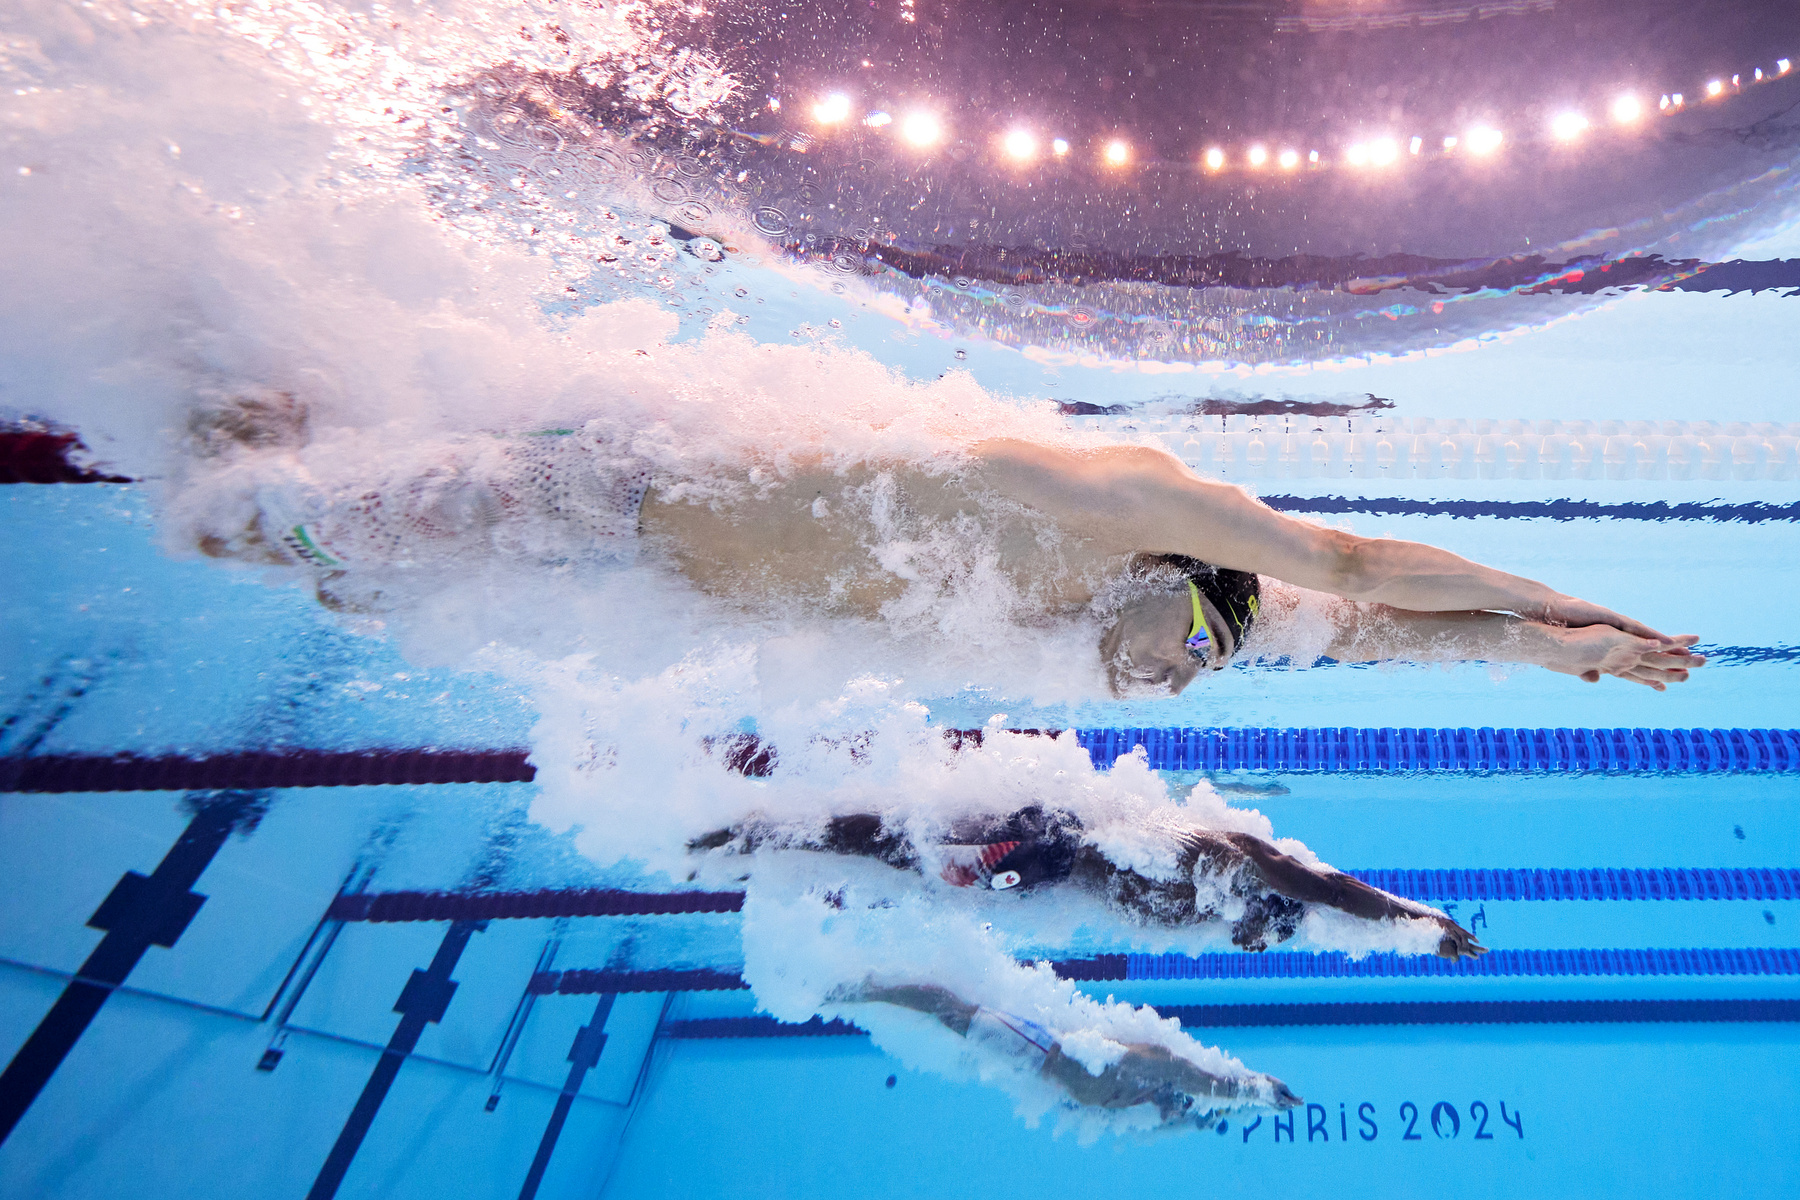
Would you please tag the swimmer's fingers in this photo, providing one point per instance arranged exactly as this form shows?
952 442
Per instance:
1574 613
1457 942
1673 660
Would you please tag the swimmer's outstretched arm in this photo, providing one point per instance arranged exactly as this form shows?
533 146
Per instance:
1288 876
1134 499
1145 1075
1375 632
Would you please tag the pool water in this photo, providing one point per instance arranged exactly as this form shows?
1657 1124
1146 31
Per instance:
304 902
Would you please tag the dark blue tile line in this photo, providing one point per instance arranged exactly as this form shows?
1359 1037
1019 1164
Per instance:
422 1002
1418 1012
1588 883
1751 513
590 1042
141 911
1496 963
1662 751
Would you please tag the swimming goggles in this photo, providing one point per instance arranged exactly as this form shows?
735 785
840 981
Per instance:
1199 638
1225 605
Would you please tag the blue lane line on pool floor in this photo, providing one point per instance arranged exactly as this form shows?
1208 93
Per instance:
1750 513
1660 751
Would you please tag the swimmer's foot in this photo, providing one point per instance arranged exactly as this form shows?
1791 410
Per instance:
1458 942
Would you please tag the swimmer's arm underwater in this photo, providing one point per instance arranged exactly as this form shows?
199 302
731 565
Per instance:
1135 499
1375 632
1147 1074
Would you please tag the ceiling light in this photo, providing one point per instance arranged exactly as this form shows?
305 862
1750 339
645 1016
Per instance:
921 129
1626 109
877 120
1383 151
1258 155
1483 139
1059 147
1450 142
1715 87
1568 126
1118 153
832 109
1021 145
1215 158
1782 65
1356 154
1312 156
1289 159
1416 145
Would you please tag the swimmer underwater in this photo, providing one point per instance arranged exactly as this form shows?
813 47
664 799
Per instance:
1171 566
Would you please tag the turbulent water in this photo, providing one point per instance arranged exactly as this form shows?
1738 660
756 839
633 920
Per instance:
323 207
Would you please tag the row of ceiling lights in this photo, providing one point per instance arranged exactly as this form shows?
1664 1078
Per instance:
923 130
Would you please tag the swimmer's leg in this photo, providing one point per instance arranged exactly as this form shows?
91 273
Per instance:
262 421
951 1010
1150 1074
861 835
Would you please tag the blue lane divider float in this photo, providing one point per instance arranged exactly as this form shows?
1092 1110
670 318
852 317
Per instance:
1393 1012
1590 883
1389 750
1781 961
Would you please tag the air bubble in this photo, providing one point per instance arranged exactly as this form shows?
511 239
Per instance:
687 164
961 355
1080 317
770 220
705 250
694 212
961 281
741 293
669 190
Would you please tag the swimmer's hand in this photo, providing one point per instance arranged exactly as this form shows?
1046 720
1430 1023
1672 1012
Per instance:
1575 613
1595 650
1457 942
1282 1096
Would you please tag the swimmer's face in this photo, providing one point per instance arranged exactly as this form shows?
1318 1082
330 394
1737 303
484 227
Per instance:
1145 651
